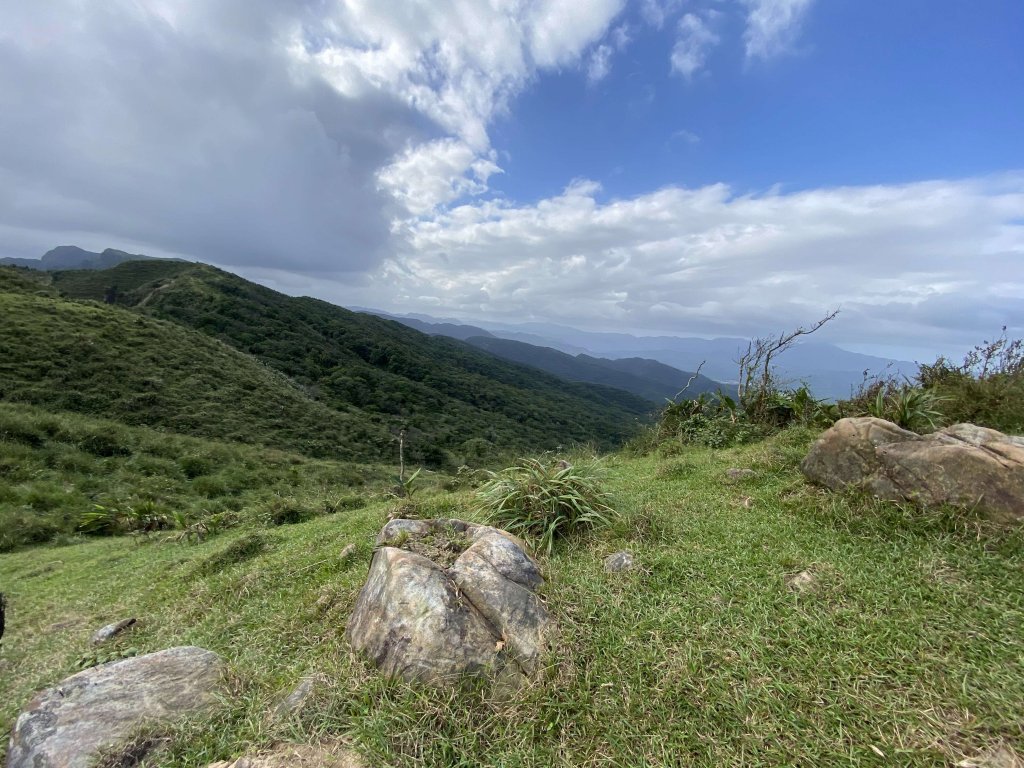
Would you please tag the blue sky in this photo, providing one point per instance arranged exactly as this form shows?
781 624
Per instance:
867 93
693 167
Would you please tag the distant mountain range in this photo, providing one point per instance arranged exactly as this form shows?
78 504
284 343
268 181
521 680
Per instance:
649 379
73 257
830 371
651 367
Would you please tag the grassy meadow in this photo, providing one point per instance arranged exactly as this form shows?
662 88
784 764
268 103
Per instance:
767 623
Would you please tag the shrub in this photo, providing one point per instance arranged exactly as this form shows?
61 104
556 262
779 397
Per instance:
908 407
287 510
545 501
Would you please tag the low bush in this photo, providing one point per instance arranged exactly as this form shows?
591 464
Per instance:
545 501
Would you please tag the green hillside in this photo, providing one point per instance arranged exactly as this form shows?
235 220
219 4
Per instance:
58 468
112 363
453 400
767 623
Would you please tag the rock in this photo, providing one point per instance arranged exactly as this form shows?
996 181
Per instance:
445 599
298 756
107 632
619 561
66 726
346 551
293 703
736 475
963 465
802 581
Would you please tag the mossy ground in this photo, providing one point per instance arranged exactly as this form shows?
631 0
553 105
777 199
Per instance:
906 648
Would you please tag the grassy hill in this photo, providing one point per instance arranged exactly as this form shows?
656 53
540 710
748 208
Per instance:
903 644
649 379
452 399
113 363
58 468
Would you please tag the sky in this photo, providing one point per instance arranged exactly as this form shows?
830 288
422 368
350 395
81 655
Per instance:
684 167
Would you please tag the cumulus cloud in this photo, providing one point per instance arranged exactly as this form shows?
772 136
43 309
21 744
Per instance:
694 41
935 262
773 25
250 132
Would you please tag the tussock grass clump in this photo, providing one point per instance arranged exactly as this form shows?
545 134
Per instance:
238 551
544 501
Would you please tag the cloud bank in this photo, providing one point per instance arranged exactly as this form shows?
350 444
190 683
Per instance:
937 262
341 148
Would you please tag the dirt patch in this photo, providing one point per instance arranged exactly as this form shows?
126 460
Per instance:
299 756
443 545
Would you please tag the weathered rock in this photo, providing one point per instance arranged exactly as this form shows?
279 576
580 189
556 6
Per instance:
963 465
106 633
735 474
67 725
802 581
298 756
445 599
618 561
293 703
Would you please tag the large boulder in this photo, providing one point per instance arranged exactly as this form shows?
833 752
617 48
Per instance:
68 725
964 465
445 599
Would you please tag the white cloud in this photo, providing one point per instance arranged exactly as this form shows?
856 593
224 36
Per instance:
689 137
428 175
253 131
600 64
657 12
773 25
932 262
694 40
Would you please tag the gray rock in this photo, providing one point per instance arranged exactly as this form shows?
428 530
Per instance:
293 703
963 465
619 561
735 474
106 633
67 725
445 599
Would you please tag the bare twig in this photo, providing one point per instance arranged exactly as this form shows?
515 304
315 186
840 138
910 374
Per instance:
690 380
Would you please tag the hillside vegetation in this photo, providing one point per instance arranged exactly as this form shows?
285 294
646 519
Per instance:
109 362
456 403
62 475
767 623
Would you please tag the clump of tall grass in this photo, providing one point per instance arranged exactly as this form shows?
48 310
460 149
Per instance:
545 500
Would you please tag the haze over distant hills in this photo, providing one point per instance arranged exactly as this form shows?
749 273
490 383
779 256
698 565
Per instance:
73 257
830 371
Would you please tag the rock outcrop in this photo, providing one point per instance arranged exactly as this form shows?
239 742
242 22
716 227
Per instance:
68 725
445 599
964 465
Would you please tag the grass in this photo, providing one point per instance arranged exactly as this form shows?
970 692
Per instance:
905 647
57 470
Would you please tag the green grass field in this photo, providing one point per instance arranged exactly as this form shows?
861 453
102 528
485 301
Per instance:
906 647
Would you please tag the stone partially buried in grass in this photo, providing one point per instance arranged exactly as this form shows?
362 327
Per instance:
963 465
67 726
446 599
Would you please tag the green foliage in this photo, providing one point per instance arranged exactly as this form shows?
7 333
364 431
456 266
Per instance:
51 485
244 548
545 500
987 388
908 407
109 362
455 402
714 421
